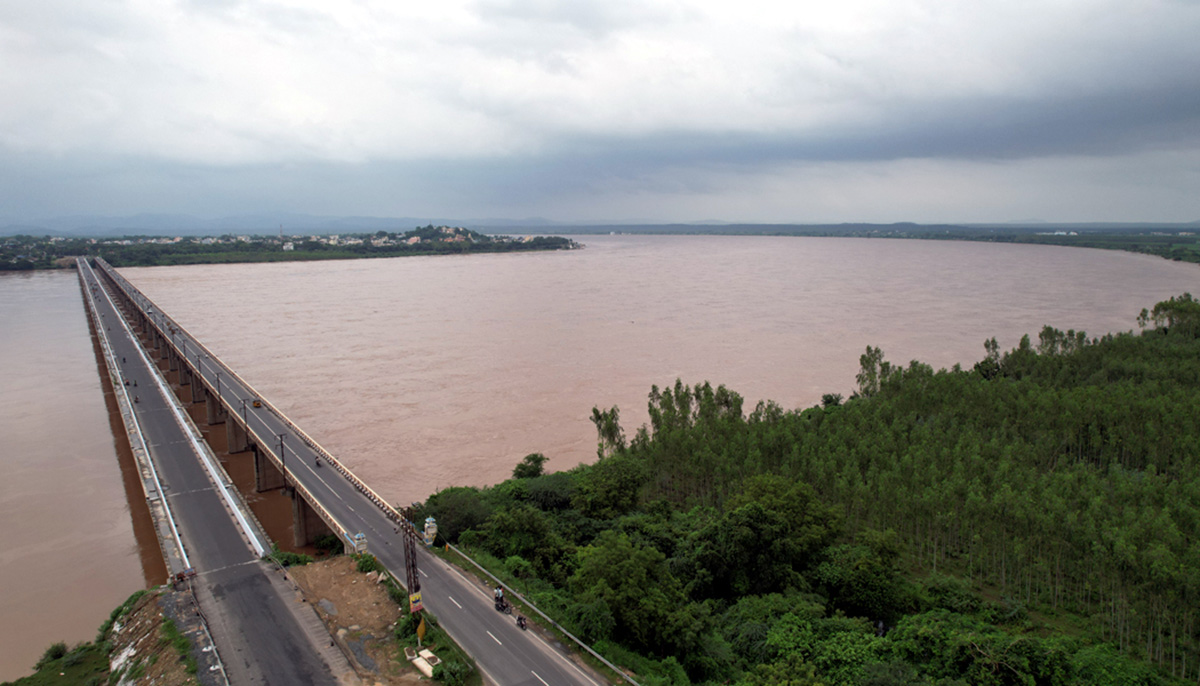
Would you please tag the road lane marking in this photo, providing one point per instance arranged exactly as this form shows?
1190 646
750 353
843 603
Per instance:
494 638
422 571
454 601
538 677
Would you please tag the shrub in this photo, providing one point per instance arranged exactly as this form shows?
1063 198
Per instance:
286 559
54 652
452 673
329 544
366 562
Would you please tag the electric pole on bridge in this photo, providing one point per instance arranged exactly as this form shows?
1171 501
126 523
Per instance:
282 459
412 576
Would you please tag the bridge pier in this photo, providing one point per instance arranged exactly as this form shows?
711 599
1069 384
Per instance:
172 360
185 375
307 525
199 392
236 438
266 476
214 410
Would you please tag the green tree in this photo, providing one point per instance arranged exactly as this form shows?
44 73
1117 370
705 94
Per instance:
608 429
530 466
457 509
634 583
873 371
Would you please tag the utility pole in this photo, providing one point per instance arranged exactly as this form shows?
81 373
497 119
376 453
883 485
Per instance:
412 576
282 458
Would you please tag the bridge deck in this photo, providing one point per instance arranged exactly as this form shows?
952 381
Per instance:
507 655
252 615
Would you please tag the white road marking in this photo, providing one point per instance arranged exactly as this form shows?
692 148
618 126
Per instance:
495 639
538 677
465 581
454 601
422 571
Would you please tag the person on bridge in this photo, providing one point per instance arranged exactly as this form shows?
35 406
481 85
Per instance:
135 399
499 594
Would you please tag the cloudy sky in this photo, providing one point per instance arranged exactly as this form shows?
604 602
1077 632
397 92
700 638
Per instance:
660 110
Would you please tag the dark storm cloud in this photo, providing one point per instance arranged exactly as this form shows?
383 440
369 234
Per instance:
555 106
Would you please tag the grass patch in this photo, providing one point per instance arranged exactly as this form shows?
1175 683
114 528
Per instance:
286 559
457 668
82 665
117 613
181 643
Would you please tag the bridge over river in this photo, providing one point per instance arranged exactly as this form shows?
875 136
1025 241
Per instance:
326 497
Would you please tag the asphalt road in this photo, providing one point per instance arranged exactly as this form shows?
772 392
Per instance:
507 655
254 625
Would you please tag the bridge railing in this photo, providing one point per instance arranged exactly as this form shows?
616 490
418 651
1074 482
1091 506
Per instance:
390 512
129 289
178 561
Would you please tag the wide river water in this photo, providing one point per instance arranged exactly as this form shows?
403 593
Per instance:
427 372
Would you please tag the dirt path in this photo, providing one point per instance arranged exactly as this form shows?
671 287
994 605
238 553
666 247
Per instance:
360 617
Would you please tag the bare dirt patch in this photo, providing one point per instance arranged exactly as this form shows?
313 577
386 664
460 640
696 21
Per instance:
142 650
359 615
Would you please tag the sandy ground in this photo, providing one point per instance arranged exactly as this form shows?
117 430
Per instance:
358 612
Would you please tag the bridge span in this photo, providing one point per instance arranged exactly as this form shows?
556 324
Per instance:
329 497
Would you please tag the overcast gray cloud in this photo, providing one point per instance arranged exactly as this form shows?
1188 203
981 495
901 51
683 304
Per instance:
862 110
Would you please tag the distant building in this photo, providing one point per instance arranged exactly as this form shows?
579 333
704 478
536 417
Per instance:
289 246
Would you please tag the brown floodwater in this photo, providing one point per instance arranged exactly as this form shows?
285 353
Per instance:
427 372
68 549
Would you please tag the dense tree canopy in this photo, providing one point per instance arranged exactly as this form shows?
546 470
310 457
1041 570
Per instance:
1032 520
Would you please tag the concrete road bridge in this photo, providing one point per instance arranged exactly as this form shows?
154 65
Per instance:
327 497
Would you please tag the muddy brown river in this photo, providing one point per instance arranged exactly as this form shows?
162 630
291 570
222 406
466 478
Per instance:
427 372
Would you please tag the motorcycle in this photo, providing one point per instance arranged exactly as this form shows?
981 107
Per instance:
504 606
521 622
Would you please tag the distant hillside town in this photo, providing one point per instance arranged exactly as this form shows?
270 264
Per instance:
48 252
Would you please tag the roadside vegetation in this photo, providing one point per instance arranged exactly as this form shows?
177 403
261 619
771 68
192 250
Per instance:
421 630
145 646
1030 520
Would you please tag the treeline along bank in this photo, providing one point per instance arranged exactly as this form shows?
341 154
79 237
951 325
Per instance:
1031 520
